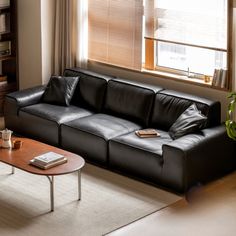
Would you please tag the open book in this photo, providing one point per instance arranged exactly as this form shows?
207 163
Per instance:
147 133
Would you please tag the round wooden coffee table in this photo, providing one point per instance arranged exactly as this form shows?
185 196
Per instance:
20 158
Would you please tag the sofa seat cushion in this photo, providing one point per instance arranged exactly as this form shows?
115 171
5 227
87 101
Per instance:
88 136
43 120
55 113
141 157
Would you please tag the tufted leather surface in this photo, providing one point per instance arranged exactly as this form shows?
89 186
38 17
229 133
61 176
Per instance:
138 156
169 105
90 134
129 100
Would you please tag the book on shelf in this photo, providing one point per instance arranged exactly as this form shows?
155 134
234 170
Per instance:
4 3
3 78
5 48
3 23
48 158
147 133
216 78
220 78
49 165
3 83
224 77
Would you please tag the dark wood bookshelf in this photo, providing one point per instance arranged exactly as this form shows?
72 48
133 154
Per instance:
8 50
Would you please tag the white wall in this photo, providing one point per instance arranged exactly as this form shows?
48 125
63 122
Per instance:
47 33
35 41
29 43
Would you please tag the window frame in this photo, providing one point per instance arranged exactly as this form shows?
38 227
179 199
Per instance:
150 66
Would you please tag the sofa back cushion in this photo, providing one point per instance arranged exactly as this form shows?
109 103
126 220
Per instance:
169 105
91 89
130 100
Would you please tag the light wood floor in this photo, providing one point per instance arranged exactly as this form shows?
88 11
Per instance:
210 211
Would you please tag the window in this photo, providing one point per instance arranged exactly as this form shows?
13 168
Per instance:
187 37
182 38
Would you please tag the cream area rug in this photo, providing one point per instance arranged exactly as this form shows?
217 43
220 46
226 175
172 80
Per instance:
108 201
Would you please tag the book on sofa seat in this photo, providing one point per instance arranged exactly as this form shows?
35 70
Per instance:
147 133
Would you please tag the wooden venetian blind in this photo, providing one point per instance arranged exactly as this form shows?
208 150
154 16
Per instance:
115 32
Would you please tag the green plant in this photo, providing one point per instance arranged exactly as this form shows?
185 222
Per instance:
230 123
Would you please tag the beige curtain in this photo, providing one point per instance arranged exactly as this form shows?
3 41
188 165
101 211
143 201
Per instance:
70 48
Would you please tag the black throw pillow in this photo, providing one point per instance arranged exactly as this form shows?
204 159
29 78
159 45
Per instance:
191 120
59 90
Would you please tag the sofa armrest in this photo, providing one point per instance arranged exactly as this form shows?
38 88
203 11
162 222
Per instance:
28 96
22 98
197 158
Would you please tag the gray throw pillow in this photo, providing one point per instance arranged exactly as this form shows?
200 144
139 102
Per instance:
191 120
59 90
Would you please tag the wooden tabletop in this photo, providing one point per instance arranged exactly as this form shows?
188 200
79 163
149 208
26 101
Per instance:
20 158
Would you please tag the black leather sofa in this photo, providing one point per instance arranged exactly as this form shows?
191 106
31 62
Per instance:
101 121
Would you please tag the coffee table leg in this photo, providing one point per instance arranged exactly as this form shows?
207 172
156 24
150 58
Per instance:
51 180
12 170
79 185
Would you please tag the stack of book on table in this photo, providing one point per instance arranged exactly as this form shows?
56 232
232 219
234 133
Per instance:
48 160
147 133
